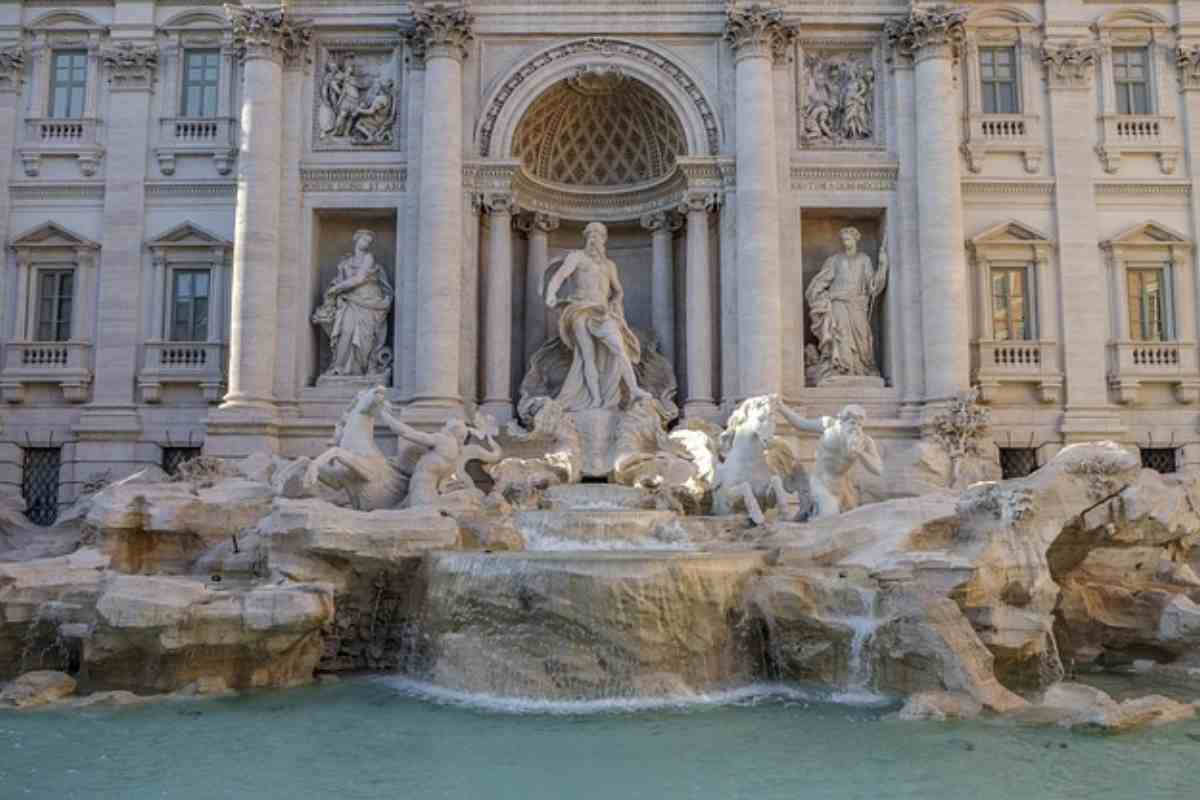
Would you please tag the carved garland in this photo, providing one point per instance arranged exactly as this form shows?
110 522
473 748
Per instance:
12 66
939 26
1070 65
131 64
258 32
1188 61
605 48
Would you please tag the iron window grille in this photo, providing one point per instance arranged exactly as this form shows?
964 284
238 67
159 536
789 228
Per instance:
39 483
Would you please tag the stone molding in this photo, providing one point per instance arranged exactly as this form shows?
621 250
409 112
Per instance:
1142 191
1070 65
933 32
607 49
272 34
353 179
441 31
821 178
206 190
131 67
12 68
38 192
758 31
1187 59
662 221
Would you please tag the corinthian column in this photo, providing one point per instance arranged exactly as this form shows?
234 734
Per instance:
536 332
932 37
264 40
758 37
497 310
700 318
12 80
662 227
443 33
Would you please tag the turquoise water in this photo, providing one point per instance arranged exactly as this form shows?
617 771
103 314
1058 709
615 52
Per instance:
376 738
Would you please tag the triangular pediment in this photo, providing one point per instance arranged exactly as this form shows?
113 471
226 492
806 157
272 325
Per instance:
1011 232
1148 233
188 234
51 234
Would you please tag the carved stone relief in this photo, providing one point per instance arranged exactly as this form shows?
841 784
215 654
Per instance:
1070 65
1188 61
357 99
838 103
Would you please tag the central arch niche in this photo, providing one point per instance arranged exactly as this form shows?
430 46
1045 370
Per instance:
601 129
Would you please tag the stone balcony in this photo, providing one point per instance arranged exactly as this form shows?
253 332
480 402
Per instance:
79 138
1004 133
1125 134
197 136
65 364
198 363
1017 362
1134 363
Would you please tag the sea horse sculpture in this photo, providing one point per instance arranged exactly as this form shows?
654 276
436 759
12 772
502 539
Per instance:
521 481
747 474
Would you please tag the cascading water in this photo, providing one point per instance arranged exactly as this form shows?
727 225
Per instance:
860 664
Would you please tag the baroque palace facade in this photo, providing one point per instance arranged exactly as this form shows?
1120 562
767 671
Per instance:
222 222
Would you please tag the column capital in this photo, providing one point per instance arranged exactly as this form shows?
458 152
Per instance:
1069 65
273 34
695 202
758 31
1187 59
441 31
667 221
935 32
12 68
497 203
131 67
545 222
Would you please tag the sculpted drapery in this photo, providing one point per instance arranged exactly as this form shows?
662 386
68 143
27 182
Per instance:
355 311
841 301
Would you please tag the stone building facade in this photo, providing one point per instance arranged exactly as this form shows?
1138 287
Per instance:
180 182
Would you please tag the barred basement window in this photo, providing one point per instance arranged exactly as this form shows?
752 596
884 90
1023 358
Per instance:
1159 459
39 483
172 457
1017 462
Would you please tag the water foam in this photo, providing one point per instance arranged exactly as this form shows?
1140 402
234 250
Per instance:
743 695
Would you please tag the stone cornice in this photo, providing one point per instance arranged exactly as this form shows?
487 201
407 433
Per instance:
1070 65
1188 60
353 179
12 68
441 31
843 178
273 34
131 66
925 32
758 31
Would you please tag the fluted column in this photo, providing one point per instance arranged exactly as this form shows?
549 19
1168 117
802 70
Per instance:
699 317
932 37
662 226
758 37
497 313
444 33
537 260
265 39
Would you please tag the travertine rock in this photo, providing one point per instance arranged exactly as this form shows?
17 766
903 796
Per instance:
162 527
37 689
589 625
940 706
37 598
1075 705
158 634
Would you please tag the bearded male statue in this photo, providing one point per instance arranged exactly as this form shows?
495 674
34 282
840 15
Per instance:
841 300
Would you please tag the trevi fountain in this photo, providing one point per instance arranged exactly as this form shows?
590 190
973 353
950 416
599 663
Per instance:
587 588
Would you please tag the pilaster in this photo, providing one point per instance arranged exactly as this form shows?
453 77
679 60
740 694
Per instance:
12 80
1187 62
662 226
497 309
1083 290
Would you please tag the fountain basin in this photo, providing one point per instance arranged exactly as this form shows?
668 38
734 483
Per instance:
589 625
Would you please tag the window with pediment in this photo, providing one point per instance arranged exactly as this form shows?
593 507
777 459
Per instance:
1136 54
1001 89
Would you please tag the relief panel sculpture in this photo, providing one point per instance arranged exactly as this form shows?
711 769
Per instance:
357 100
838 102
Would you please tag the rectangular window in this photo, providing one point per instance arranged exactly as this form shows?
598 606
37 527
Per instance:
68 84
1011 319
201 82
1159 459
998 76
56 296
39 483
1132 76
1147 305
1017 462
189 305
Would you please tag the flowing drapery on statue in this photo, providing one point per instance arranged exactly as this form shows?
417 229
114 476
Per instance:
592 325
354 314
841 301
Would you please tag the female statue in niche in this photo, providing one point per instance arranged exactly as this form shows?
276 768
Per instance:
354 313
841 301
